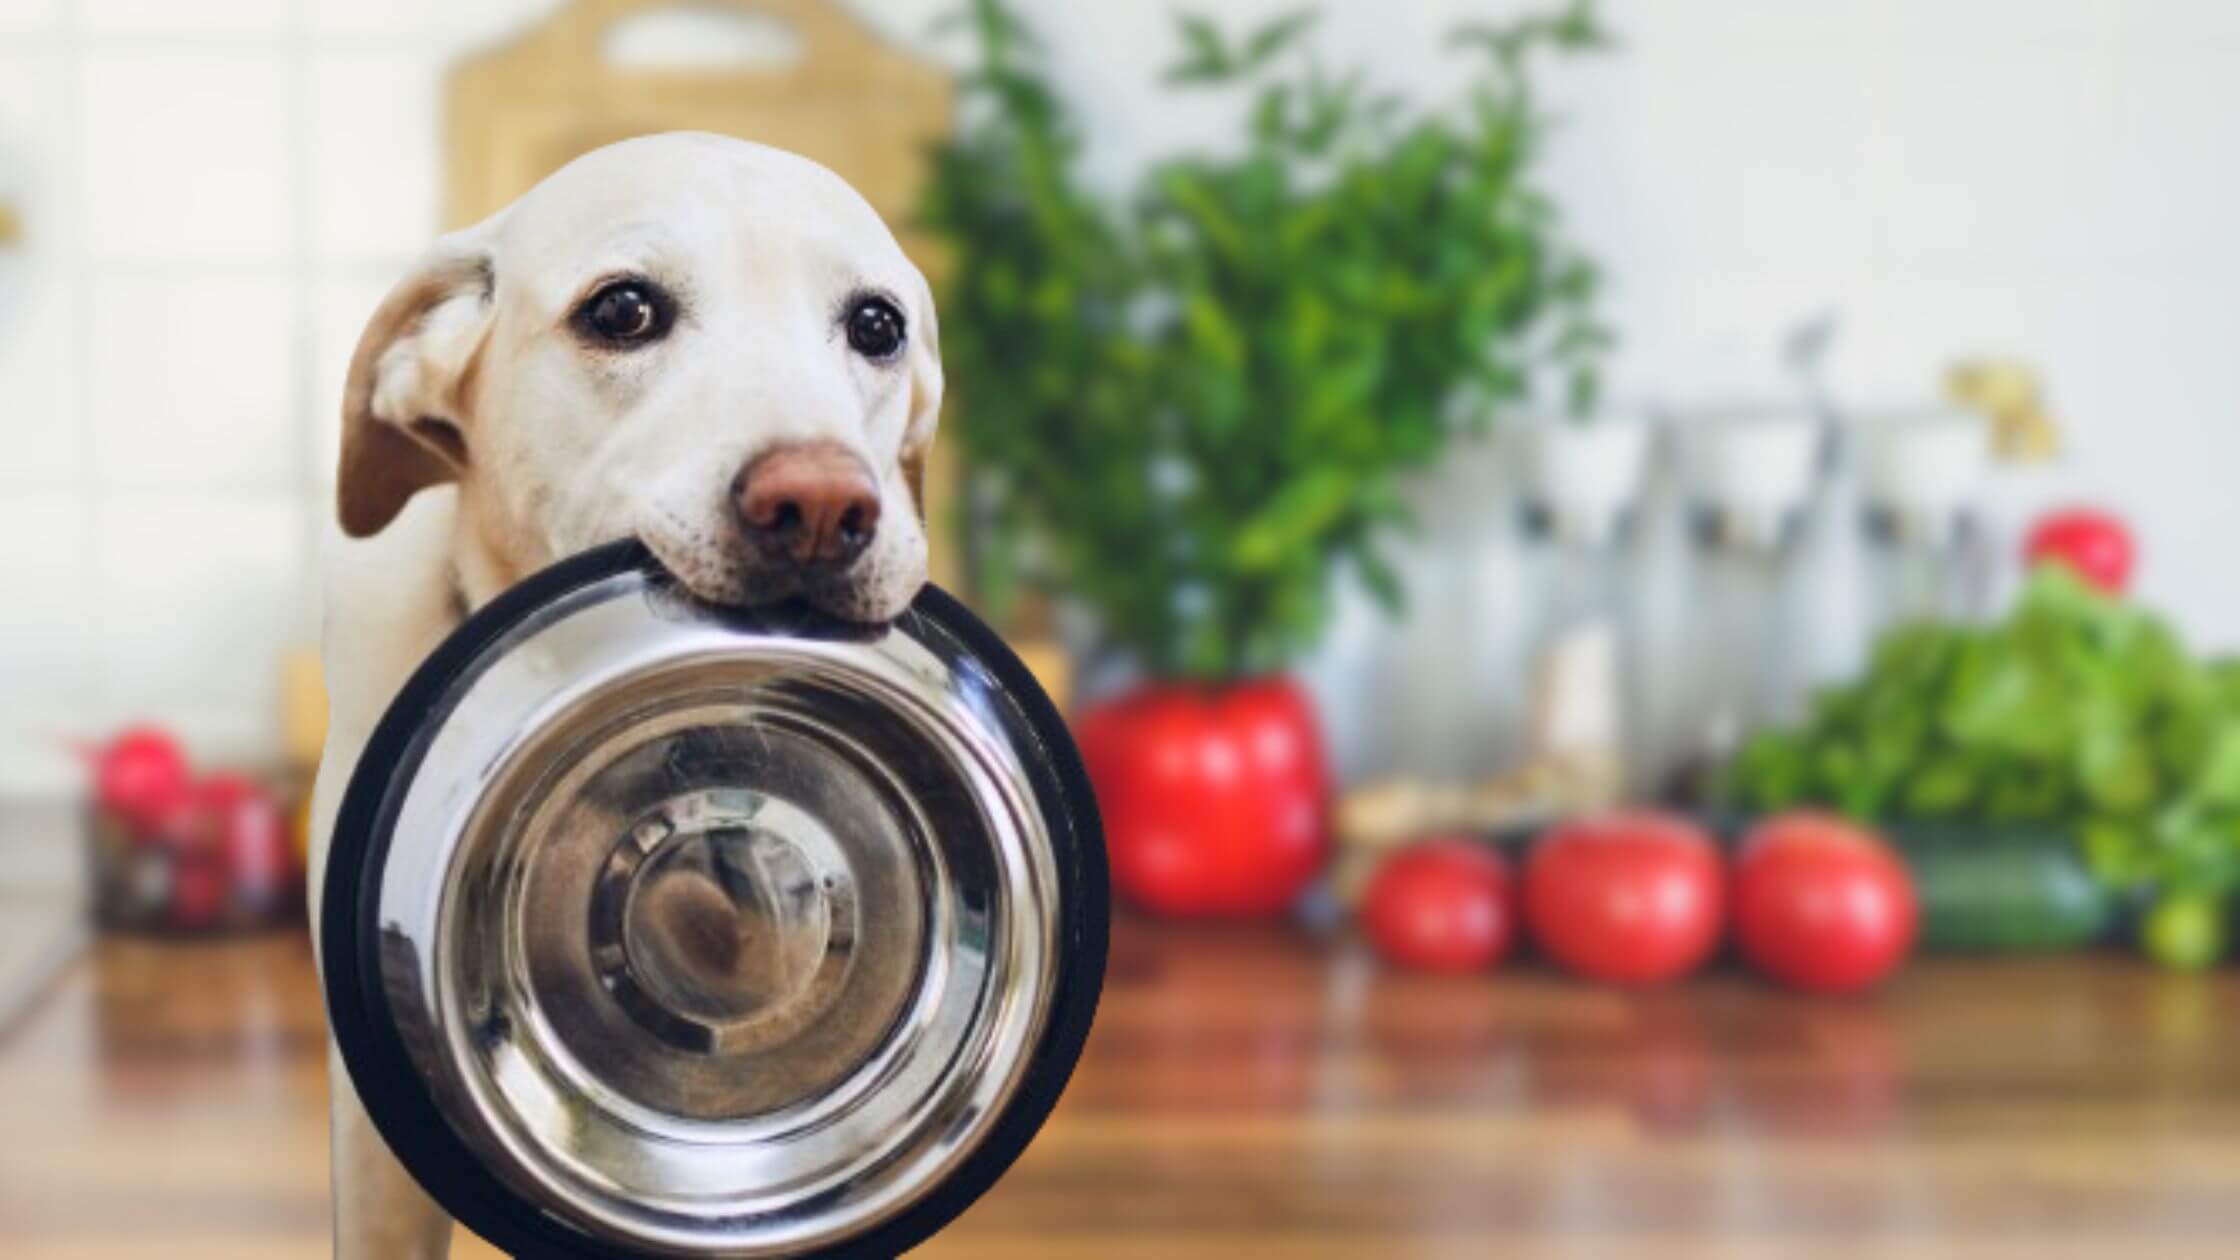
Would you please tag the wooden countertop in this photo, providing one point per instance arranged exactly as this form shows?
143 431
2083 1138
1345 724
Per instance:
1251 1093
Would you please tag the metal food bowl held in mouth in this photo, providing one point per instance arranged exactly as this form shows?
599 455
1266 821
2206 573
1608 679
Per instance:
652 928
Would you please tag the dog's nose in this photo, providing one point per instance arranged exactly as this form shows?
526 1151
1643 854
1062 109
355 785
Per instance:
813 503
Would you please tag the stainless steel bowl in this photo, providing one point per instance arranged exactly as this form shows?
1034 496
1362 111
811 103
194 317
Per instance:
652 928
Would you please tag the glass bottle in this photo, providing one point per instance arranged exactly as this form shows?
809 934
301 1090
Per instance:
1752 473
1577 522
1925 542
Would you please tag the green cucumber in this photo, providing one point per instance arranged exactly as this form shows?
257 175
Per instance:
2002 888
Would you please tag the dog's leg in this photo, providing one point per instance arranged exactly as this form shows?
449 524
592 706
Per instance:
386 608
380 1212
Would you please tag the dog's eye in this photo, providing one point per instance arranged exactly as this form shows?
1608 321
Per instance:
875 328
626 312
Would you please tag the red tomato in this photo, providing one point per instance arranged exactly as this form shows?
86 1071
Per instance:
1443 905
2094 544
1215 800
141 777
1822 904
1632 898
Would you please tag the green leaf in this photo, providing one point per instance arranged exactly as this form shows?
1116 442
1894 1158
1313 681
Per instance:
1382 581
1940 789
2116 769
1277 35
1201 37
2115 853
2217 783
1296 513
1771 772
1190 193
1211 331
1271 112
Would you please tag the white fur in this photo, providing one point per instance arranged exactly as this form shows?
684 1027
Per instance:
568 445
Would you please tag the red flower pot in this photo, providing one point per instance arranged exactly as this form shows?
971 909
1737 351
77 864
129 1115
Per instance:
1216 800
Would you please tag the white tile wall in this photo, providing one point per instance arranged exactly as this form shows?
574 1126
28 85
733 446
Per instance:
198 596
163 17
34 148
20 16
46 659
2046 316
440 23
187 155
1943 23
1976 156
374 125
394 17
2186 23
191 382
1727 23
42 443
2158 190
42 656
216 194
2164 442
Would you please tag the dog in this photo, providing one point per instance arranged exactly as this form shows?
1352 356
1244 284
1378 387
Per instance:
712 346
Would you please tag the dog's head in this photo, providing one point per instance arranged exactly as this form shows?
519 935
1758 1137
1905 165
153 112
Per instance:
711 345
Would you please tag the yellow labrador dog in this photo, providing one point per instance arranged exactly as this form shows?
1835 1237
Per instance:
712 346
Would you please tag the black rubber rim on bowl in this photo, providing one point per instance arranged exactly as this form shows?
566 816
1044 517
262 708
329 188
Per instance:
398 1100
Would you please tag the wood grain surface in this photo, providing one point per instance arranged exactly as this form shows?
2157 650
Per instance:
1251 1093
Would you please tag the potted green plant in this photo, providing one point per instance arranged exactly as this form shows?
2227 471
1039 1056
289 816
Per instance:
1184 410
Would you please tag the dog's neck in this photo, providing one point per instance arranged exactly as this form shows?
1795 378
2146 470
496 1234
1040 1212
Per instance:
480 567
457 604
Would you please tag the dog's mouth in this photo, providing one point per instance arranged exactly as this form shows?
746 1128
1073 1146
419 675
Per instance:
720 576
791 617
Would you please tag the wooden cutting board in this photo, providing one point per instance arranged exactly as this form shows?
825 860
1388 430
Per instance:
813 79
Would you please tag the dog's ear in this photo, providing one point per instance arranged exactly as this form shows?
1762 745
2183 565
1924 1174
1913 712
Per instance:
925 397
404 419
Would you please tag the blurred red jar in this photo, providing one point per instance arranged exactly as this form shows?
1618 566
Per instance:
1216 799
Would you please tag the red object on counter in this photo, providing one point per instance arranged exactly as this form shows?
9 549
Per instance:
198 891
1216 800
1821 903
141 777
1629 898
250 831
2096 544
1442 905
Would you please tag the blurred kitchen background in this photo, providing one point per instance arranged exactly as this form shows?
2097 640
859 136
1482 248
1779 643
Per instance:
209 198
1840 316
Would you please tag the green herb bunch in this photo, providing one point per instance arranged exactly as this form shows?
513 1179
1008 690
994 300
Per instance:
1186 409
2079 708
